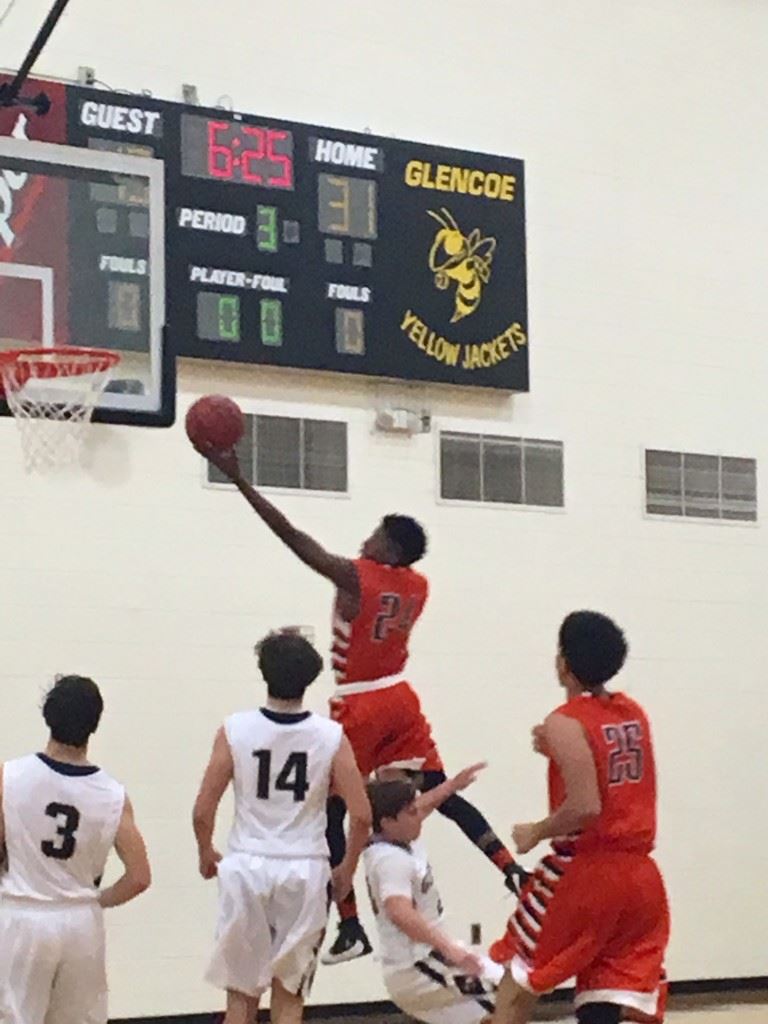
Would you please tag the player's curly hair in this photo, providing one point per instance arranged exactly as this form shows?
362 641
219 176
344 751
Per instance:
408 536
388 798
289 664
593 646
72 710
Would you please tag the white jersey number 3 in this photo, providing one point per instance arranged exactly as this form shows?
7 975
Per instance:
67 818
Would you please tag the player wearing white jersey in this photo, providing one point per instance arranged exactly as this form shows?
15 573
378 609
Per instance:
427 974
275 879
60 816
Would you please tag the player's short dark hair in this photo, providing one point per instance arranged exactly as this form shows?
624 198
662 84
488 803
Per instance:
593 646
408 536
289 663
389 798
72 710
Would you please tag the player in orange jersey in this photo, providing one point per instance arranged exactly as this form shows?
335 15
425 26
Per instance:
379 597
595 907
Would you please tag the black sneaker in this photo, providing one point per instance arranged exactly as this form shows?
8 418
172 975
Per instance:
515 878
351 943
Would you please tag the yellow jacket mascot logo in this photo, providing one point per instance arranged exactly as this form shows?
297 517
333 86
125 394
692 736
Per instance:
466 260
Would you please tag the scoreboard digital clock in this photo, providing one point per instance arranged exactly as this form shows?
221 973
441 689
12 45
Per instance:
244 154
304 246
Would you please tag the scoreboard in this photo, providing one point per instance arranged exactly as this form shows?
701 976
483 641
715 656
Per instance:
303 246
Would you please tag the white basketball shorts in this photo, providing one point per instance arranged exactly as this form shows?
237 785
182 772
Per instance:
52 963
436 993
272 917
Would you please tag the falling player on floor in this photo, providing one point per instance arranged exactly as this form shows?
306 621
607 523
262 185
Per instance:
379 597
60 816
274 881
428 975
595 907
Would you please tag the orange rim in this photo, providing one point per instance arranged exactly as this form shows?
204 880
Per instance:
49 363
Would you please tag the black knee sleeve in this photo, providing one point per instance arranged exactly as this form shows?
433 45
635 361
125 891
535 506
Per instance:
598 1013
458 810
334 833
471 822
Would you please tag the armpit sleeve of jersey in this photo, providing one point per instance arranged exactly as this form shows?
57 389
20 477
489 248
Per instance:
112 822
362 575
394 875
229 725
338 738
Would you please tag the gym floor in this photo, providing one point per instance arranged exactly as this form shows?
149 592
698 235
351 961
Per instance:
745 1009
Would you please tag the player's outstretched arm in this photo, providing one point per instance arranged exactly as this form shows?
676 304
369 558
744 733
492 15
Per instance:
340 571
347 783
130 848
433 798
567 745
402 913
218 775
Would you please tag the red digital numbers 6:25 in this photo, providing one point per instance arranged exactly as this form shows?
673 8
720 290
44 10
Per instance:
250 154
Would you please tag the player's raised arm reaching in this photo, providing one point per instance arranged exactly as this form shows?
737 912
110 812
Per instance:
340 571
434 798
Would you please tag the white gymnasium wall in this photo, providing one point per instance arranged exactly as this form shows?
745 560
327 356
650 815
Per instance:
642 124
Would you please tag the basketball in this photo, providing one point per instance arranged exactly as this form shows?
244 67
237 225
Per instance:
215 420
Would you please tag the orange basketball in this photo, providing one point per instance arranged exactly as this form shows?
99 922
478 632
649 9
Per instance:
215 420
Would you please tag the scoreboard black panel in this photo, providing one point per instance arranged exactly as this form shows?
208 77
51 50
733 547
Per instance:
302 246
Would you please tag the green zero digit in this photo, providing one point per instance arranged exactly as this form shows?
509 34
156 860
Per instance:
272 322
229 318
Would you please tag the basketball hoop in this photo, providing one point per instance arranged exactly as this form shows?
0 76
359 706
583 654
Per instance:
52 393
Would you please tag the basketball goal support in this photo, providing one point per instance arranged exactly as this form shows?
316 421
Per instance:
10 92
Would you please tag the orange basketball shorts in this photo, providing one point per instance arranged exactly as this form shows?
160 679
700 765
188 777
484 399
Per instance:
636 1017
602 918
387 727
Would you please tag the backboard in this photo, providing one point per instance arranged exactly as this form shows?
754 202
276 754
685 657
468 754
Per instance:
82 258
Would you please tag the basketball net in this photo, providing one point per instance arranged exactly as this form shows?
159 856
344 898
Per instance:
52 393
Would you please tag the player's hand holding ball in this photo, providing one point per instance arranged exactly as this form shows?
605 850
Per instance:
214 425
525 837
225 461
